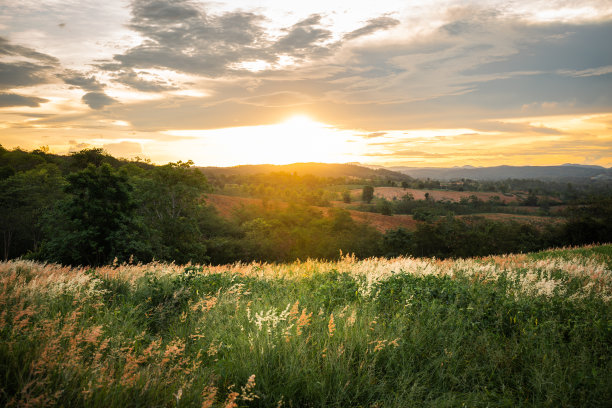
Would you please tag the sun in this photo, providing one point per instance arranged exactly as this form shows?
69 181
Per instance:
297 139
299 121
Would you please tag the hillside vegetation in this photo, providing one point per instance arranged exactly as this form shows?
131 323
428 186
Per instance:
90 208
516 330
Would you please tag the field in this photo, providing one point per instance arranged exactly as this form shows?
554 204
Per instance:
517 330
226 204
438 195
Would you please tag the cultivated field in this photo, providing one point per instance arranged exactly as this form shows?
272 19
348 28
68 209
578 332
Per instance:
518 330
438 195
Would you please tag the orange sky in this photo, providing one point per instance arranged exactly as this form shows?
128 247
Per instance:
453 83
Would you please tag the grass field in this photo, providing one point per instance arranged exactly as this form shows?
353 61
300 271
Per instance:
518 330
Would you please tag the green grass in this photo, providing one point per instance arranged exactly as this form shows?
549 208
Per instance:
163 338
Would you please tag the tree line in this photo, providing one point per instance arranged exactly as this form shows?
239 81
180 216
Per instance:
90 208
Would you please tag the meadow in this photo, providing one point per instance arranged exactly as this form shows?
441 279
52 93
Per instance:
513 330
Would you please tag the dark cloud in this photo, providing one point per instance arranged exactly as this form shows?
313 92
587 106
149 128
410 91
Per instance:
8 49
20 74
131 79
84 82
97 100
552 47
161 10
304 39
373 25
11 99
27 68
182 37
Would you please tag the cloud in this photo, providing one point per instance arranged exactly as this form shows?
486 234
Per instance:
279 99
8 49
375 134
589 72
22 74
123 149
27 67
77 147
412 154
11 99
160 10
133 80
373 25
180 36
97 100
303 39
82 81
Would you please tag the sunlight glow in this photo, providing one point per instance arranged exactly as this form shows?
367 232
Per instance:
297 139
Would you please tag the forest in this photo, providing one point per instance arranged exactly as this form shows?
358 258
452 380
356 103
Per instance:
89 208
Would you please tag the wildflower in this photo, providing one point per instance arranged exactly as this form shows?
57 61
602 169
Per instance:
247 391
331 326
351 319
303 321
209 394
294 310
230 401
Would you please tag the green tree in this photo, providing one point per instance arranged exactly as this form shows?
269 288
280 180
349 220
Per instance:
171 203
96 222
367 194
346 196
24 198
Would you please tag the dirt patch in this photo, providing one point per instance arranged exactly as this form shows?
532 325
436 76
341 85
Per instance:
226 204
438 195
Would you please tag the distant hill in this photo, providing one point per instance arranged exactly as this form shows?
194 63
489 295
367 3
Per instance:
315 169
566 172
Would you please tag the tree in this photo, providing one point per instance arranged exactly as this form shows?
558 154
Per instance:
385 207
367 194
346 196
170 202
96 222
397 242
24 197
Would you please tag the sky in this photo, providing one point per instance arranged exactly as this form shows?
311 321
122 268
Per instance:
389 82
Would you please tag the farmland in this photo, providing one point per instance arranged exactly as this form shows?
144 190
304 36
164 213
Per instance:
439 195
513 330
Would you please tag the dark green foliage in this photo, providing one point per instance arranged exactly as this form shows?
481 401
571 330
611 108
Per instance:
170 202
367 194
95 223
346 196
300 232
158 212
398 242
24 199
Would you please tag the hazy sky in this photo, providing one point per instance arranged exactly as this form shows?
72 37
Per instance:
436 83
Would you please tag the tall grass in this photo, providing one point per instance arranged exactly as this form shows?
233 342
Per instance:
521 330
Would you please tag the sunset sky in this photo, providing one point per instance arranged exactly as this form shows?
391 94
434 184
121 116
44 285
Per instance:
390 82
